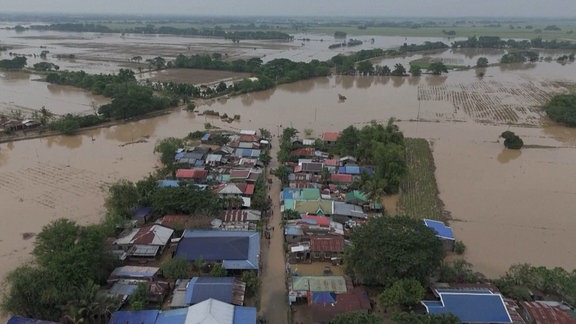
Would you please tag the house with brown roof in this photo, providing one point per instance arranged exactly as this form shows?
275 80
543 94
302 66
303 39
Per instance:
326 247
329 138
341 179
544 312
144 242
305 152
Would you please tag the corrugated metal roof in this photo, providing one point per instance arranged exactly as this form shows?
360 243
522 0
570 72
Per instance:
210 311
134 317
244 315
330 136
191 173
471 307
236 249
341 178
335 284
25 320
134 272
147 235
173 316
203 288
327 244
542 313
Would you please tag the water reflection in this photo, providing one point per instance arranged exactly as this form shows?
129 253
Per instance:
364 82
508 155
398 81
133 131
517 66
413 80
71 142
436 80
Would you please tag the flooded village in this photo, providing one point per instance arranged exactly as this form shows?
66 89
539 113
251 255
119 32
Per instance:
507 206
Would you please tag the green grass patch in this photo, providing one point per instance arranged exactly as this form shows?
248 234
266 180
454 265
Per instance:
419 191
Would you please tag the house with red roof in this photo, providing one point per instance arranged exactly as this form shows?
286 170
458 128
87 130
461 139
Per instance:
341 179
192 175
329 138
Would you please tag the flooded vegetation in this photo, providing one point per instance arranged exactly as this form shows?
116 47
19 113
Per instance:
507 206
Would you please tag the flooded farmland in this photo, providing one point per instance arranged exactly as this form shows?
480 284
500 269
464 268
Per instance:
506 206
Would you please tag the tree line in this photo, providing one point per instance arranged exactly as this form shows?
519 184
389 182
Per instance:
216 31
497 42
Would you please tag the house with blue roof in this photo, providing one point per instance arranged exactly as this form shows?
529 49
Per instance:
26 320
443 232
210 311
237 250
470 306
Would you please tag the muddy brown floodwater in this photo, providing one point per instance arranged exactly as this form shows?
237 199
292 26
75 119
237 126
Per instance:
507 207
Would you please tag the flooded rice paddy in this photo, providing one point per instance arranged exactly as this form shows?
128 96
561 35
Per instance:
507 206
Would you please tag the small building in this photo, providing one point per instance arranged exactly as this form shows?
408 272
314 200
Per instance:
311 168
356 197
133 317
225 289
326 247
330 138
349 211
354 300
134 273
443 232
341 179
192 175
304 152
293 233
147 241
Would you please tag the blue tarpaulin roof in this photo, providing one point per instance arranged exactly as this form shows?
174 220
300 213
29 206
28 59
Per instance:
471 307
174 316
244 315
323 297
134 317
203 288
25 320
205 137
442 231
349 170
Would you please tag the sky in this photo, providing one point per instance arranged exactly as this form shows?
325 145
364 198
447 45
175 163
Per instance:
379 8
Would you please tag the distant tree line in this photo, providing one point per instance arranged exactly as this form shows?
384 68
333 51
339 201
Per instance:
216 31
497 42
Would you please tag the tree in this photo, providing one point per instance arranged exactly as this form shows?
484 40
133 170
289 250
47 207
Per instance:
139 297
387 249
167 148
512 141
399 70
365 67
482 62
458 271
405 292
122 198
437 68
415 70
562 109
411 318
252 281
357 318
218 270
264 133
177 268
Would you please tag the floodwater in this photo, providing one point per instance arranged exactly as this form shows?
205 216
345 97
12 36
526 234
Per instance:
507 206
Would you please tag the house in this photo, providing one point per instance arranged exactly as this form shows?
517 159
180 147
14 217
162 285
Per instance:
214 160
198 289
356 197
179 222
330 138
347 160
192 175
142 214
348 210
311 168
236 250
326 247
341 179
134 273
316 207
443 232
227 190
147 241
168 183
293 233
123 288
350 169
470 306
305 152
354 300
543 312
134 317
302 286
320 221
240 216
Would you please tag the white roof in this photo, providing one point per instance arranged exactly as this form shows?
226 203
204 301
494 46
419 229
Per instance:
308 142
248 131
230 189
210 311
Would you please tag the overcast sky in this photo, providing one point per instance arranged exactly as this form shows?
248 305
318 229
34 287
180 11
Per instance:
422 8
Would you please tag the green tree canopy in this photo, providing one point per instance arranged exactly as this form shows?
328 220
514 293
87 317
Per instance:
562 109
177 268
437 68
405 292
411 318
357 318
387 249
122 198
482 62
